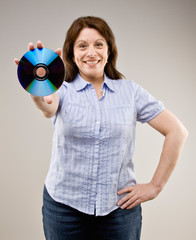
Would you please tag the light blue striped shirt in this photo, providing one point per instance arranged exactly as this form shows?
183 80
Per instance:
94 141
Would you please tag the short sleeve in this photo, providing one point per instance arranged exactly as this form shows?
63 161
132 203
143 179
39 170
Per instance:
61 92
147 107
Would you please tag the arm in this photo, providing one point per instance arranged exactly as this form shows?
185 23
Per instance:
175 135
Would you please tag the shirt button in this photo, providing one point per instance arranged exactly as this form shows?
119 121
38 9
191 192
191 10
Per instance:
98 122
97 142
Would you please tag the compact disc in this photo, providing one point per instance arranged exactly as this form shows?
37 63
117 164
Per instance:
41 72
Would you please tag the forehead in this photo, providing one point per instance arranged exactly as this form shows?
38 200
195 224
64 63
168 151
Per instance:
88 35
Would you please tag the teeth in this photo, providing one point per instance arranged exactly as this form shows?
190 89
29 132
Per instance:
91 63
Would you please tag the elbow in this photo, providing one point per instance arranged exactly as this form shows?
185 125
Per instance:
179 133
182 130
182 133
185 133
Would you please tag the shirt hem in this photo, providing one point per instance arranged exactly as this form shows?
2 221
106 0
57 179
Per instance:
98 213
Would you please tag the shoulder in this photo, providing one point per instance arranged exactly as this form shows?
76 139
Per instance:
120 84
61 92
63 88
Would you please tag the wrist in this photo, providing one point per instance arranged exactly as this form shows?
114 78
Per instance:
158 188
36 98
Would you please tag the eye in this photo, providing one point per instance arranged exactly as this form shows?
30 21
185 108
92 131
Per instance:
99 44
82 46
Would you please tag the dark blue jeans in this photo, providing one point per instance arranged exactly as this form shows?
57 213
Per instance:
62 222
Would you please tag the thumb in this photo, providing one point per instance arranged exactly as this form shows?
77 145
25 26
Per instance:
48 99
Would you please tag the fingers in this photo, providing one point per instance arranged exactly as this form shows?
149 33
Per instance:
133 204
16 61
58 51
30 46
130 202
127 200
136 194
125 190
39 45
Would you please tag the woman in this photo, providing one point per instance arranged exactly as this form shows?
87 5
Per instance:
91 190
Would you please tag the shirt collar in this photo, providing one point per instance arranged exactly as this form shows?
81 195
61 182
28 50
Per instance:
80 83
109 83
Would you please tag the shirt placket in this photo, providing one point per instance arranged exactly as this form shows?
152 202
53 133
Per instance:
95 155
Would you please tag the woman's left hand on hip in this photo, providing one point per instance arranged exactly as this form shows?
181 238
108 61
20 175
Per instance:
137 194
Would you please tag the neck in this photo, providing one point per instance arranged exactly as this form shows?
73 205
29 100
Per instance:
95 80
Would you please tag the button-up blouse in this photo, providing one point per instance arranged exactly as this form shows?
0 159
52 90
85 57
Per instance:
94 142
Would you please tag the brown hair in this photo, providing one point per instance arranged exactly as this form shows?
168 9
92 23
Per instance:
102 27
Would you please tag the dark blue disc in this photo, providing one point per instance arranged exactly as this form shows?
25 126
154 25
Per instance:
41 72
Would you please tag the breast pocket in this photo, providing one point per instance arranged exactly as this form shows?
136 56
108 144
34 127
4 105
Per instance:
75 113
121 123
121 115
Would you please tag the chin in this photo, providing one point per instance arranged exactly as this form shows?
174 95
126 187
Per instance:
92 75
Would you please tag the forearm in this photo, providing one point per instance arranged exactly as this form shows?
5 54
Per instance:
48 105
172 148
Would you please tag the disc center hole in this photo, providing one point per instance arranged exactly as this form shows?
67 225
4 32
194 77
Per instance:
40 72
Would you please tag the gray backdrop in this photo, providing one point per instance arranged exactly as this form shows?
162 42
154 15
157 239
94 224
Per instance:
156 42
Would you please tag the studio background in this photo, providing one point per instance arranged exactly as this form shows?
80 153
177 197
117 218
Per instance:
156 44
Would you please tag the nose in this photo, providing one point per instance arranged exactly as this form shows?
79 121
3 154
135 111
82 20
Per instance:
91 52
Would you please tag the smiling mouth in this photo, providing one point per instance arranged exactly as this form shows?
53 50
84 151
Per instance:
92 63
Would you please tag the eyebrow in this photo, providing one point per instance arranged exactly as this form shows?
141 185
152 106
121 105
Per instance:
100 39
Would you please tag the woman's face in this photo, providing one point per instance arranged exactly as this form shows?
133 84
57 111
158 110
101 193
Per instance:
90 54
